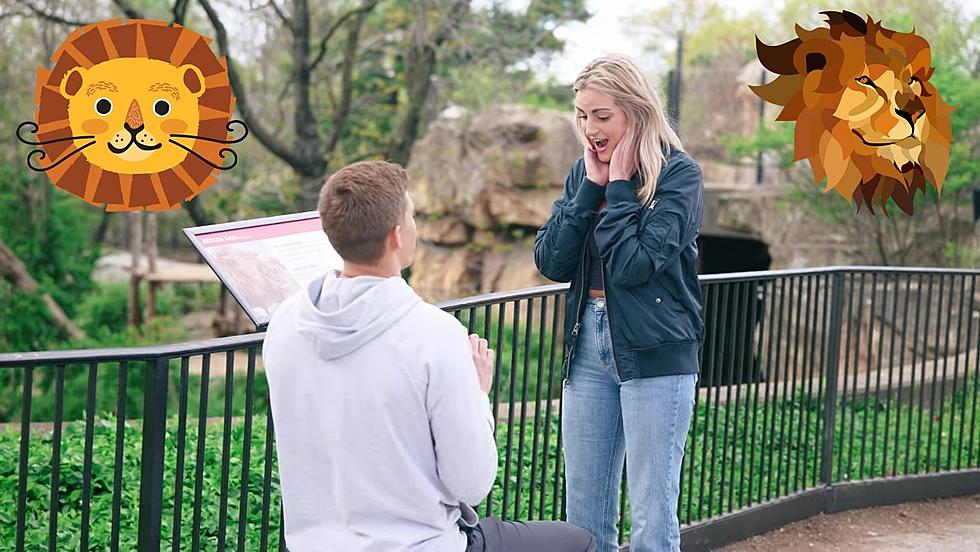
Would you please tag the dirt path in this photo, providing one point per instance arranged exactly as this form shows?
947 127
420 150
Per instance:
950 525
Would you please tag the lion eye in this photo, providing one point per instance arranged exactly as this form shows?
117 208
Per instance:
103 106
913 79
864 80
161 107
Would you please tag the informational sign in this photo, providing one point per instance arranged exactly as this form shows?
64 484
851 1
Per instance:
264 261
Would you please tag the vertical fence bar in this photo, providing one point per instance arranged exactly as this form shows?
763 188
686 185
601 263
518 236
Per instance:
757 383
843 379
119 452
155 380
740 350
522 430
820 416
746 374
532 486
901 375
766 403
833 358
721 327
956 371
804 381
55 497
25 450
976 366
711 294
555 332
87 462
786 399
181 451
867 374
915 348
729 336
942 382
772 475
226 448
879 365
510 404
267 484
202 429
246 448
891 370
854 382
935 371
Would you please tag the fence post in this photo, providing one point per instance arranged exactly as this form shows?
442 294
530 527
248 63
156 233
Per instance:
155 379
830 398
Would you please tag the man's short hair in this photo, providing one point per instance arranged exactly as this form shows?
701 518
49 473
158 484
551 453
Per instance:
359 205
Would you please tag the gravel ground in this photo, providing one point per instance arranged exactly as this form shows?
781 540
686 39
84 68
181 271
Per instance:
949 525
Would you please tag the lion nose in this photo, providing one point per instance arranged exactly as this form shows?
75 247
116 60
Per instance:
134 118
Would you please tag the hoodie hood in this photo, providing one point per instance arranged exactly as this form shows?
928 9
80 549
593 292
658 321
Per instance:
340 315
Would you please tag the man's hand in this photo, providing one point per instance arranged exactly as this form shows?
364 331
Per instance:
483 360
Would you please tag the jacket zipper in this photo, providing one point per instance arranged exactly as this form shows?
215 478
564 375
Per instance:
566 369
650 203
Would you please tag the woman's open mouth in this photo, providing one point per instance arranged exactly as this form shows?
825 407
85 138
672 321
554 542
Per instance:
600 145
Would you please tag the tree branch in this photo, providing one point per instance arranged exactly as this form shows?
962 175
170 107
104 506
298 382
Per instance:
14 270
282 17
347 81
128 10
420 61
271 143
50 16
367 6
180 11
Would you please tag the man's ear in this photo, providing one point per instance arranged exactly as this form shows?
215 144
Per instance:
395 238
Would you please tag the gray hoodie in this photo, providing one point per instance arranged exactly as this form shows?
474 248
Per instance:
382 431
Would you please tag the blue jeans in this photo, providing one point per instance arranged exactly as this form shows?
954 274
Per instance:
604 421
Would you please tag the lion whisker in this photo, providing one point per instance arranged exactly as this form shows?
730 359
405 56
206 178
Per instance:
222 153
45 142
216 140
56 163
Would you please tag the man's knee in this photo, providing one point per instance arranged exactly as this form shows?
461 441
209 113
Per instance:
583 539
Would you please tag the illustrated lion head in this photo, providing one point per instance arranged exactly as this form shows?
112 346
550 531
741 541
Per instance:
867 117
133 115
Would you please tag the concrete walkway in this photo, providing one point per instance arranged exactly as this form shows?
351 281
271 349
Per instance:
949 525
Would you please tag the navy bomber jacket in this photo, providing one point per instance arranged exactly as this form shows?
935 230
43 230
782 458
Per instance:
649 257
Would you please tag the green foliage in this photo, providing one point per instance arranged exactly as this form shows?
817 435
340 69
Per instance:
743 452
48 230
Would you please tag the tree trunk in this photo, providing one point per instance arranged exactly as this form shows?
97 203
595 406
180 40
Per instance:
135 220
151 265
14 270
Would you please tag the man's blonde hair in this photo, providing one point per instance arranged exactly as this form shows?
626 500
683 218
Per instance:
618 77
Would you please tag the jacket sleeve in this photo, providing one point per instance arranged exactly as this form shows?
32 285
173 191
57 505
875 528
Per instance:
558 244
460 421
635 248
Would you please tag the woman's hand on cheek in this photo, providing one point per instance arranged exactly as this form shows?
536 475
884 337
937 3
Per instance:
595 170
622 165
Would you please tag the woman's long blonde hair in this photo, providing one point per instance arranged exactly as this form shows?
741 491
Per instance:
618 77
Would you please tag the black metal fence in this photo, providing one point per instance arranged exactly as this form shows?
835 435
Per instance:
810 380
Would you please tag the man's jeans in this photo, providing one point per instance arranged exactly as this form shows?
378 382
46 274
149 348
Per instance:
605 420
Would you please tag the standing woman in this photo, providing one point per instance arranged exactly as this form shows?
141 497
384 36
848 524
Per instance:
623 233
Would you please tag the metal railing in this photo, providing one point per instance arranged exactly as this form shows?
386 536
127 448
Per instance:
811 380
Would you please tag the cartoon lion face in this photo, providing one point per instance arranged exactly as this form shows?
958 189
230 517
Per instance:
133 115
131 107
867 117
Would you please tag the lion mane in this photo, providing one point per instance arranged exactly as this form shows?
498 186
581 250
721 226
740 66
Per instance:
98 84
867 117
